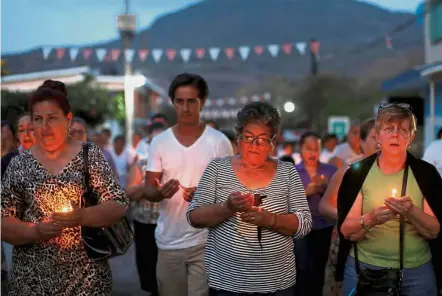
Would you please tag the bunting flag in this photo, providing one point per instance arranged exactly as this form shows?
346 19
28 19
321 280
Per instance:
214 53
388 42
200 52
46 52
287 48
171 54
73 53
115 54
101 53
230 52
187 54
273 49
244 52
142 54
59 52
301 47
87 53
156 54
259 50
129 55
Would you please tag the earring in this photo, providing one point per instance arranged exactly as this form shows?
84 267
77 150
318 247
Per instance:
69 130
378 145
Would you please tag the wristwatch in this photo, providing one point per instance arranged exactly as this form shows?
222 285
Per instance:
363 224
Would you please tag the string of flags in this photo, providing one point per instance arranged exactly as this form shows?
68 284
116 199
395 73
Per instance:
218 108
184 54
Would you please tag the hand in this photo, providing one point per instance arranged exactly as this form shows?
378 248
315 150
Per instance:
237 202
380 215
47 230
259 217
401 206
72 218
188 193
168 189
311 189
320 180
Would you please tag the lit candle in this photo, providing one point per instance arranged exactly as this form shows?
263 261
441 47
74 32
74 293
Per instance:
393 192
65 209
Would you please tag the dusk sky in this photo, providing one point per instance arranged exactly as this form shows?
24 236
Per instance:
26 24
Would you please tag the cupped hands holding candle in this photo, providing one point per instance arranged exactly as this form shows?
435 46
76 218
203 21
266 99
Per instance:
238 202
69 216
402 206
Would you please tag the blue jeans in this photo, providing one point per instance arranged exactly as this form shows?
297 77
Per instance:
418 281
287 292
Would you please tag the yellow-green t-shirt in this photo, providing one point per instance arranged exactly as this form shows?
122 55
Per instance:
380 247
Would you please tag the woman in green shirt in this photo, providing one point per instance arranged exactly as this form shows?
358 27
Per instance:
373 220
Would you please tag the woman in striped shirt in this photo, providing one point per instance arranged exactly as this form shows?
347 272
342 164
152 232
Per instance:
253 206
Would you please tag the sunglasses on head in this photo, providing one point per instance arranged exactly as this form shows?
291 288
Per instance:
404 106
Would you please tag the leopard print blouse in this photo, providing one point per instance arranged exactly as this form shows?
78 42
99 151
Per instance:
57 266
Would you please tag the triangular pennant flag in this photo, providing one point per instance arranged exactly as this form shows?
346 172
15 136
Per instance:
230 52
129 55
115 54
388 42
200 52
46 52
73 52
60 53
244 52
87 53
157 53
214 53
142 54
185 54
301 47
259 49
101 53
273 49
287 48
171 54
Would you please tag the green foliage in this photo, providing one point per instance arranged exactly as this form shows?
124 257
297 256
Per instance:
88 100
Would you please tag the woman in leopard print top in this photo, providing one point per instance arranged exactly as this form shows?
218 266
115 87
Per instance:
48 256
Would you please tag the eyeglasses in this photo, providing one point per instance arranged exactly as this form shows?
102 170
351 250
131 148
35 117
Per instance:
401 131
404 106
259 140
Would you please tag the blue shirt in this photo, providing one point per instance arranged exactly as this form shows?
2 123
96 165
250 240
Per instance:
313 201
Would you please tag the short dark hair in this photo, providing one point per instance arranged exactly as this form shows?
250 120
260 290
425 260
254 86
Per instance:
366 127
439 133
107 131
308 134
79 120
328 137
120 138
215 125
159 115
287 158
188 79
51 90
155 126
258 112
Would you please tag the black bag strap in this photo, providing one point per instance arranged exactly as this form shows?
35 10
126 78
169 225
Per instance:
401 229
86 165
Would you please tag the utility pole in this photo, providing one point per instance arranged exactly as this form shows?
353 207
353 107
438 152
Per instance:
314 57
126 24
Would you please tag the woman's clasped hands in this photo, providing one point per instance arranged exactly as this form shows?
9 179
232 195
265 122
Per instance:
72 218
243 203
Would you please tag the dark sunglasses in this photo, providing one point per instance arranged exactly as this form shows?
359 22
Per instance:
404 106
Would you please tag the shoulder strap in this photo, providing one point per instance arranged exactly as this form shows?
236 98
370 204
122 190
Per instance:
402 219
86 165
401 227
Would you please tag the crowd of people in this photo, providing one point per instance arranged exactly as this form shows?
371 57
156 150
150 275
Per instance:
216 212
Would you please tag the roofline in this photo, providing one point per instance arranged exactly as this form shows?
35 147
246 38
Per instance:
432 70
46 74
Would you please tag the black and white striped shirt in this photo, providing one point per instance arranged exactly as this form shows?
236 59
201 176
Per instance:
234 258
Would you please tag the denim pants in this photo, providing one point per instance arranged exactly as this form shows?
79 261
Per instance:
418 281
287 292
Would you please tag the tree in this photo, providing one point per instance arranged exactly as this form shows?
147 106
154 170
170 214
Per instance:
4 68
88 100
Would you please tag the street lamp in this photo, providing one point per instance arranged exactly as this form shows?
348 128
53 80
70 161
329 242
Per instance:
126 24
289 107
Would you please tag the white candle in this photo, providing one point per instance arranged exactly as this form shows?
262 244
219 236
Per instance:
393 192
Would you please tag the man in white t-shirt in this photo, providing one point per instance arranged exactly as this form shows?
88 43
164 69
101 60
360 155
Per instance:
176 161
433 155
350 151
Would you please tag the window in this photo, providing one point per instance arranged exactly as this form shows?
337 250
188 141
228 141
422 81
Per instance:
435 21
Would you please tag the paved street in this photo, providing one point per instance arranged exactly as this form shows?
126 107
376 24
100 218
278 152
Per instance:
124 273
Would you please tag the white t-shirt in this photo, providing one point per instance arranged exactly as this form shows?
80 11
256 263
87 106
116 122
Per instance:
344 152
326 155
122 163
433 155
186 164
142 148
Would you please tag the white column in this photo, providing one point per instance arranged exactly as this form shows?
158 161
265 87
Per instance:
432 110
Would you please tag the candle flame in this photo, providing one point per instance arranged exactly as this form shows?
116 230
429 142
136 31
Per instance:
393 192
65 209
